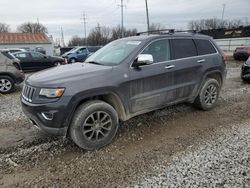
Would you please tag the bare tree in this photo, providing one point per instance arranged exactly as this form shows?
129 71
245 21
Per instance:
214 23
76 41
29 27
99 35
4 28
116 32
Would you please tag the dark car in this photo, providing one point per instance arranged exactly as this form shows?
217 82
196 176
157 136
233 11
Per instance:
80 54
245 71
127 77
34 61
242 53
10 73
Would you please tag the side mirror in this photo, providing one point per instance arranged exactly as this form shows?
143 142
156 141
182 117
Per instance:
143 59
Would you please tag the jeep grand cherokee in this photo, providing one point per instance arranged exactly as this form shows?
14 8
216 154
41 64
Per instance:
127 77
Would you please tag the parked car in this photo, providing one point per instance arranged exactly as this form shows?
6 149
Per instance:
242 53
10 73
126 78
40 50
34 61
80 54
245 70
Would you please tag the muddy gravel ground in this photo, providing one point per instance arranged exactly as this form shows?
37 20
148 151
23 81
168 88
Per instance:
178 146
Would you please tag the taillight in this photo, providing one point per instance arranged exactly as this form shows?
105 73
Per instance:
224 57
17 66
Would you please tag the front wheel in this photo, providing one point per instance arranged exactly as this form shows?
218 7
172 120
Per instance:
7 84
208 95
94 125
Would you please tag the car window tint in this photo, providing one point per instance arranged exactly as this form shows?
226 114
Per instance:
183 48
204 47
160 50
36 55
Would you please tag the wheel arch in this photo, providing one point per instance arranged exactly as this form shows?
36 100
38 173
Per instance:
111 98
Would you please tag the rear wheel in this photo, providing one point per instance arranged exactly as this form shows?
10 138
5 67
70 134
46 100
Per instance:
7 84
94 125
72 60
208 96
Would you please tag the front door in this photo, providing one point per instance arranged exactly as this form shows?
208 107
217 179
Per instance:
152 86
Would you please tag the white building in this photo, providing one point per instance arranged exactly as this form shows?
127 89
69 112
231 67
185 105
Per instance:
28 41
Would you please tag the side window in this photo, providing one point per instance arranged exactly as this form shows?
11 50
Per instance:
183 48
160 50
204 47
82 51
36 55
21 55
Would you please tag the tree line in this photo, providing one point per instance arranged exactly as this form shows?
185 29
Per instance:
101 35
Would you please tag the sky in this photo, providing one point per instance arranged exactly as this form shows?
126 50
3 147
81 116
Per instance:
67 14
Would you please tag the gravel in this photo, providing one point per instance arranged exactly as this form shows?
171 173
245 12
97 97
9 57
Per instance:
221 162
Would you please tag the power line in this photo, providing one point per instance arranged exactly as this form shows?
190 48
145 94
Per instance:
84 18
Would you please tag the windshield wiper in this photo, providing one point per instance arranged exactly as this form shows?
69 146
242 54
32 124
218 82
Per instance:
94 62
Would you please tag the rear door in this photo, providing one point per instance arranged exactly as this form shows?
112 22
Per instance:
152 86
187 67
25 60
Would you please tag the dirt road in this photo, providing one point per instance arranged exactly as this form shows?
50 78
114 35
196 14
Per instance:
31 158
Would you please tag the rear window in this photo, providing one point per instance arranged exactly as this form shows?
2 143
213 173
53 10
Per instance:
8 55
183 48
204 47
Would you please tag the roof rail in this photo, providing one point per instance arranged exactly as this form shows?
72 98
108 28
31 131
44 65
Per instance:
160 31
166 31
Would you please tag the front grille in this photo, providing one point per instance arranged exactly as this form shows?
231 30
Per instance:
28 93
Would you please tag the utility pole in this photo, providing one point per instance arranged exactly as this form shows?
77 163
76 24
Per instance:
146 2
223 11
62 39
122 6
84 18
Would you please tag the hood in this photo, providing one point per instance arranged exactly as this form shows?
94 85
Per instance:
58 76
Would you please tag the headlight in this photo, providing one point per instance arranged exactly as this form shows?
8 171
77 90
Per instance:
52 93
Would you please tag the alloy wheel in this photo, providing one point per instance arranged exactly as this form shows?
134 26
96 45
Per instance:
97 126
5 85
211 94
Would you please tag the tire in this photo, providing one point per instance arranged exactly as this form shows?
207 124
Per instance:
208 95
72 60
86 133
56 63
7 84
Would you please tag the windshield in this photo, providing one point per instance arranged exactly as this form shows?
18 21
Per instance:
113 53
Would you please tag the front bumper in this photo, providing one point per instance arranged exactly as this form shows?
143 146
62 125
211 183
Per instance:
50 117
245 72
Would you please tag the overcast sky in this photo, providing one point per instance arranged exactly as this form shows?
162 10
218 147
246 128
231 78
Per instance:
67 13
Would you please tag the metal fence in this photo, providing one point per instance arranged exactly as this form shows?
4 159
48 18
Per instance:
230 44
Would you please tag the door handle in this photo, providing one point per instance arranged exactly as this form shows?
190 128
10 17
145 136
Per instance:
169 66
201 60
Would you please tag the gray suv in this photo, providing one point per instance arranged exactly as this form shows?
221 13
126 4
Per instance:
10 72
126 78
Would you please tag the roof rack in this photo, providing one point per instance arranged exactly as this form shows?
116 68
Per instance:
166 31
